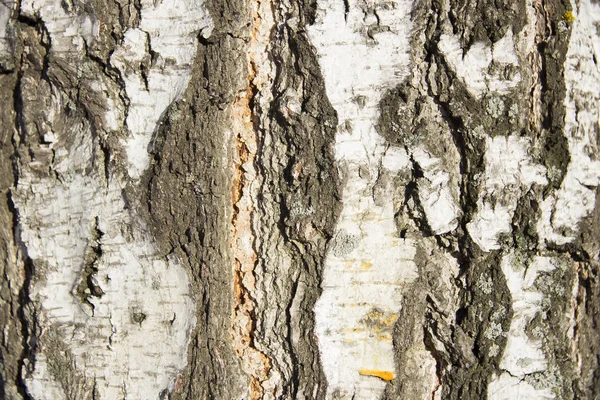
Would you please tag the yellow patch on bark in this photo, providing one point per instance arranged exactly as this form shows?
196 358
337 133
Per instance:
385 375
568 17
366 265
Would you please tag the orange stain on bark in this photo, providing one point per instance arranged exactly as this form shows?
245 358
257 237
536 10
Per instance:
385 375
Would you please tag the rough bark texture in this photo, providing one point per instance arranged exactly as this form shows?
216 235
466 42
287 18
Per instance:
345 199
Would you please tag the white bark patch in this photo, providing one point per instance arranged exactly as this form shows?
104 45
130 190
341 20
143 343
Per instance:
128 335
132 338
363 51
473 67
435 193
509 171
139 326
523 355
506 387
365 273
564 209
69 31
169 29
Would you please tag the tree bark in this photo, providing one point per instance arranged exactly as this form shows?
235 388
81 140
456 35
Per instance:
345 199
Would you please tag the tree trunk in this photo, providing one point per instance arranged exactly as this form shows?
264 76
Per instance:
312 199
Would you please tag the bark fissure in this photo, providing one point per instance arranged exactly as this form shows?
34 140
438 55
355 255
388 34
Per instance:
245 181
26 314
243 243
25 310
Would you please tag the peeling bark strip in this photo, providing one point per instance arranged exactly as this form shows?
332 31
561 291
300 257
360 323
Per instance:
244 193
271 199
255 363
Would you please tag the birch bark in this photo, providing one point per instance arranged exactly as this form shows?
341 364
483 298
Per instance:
276 199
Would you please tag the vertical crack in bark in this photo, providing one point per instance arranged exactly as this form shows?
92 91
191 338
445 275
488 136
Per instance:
585 345
243 243
28 328
244 188
26 359
548 90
